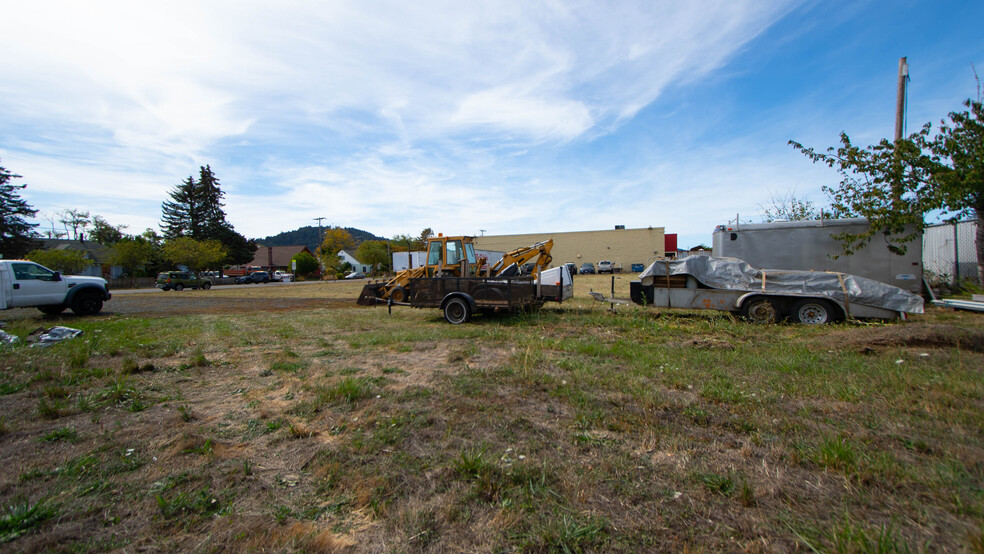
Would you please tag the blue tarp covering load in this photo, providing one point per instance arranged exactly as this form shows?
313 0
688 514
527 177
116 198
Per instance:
735 274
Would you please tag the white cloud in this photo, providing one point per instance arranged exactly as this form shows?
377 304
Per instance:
391 116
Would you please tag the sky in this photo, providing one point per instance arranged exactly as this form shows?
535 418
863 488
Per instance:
494 117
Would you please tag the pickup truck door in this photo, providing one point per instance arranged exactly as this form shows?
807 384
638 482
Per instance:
36 285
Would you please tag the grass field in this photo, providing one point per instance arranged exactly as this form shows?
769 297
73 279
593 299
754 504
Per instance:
568 429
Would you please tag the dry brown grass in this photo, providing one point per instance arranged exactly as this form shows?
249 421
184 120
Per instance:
329 430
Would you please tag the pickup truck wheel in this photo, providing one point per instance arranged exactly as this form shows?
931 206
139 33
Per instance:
760 310
206 286
178 287
457 311
52 310
87 303
813 312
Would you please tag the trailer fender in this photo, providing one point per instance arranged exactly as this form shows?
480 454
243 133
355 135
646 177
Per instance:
458 308
467 297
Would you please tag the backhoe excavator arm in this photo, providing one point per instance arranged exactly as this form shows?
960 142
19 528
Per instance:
523 255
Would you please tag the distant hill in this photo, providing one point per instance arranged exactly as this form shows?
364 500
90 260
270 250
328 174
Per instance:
309 237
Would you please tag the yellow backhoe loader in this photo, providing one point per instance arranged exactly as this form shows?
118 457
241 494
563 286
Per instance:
455 257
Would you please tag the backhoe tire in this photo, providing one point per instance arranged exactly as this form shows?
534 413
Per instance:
87 303
811 311
398 294
457 311
760 310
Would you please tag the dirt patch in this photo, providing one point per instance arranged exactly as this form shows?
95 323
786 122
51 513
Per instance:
921 335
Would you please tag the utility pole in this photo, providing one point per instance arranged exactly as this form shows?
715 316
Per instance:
900 123
321 235
900 99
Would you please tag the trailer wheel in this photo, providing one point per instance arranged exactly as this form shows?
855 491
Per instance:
457 311
760 310
812 311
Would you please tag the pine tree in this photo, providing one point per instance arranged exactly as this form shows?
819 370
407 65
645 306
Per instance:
195 211
15 231
182 214
213 221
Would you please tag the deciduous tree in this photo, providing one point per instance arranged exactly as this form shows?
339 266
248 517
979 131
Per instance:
890 184
374 253
336 239
895 184
68 262
105 233
960 146
194 254
306 263
75 220
132 253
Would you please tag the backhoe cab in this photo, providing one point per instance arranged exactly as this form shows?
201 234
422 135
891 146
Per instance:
446 256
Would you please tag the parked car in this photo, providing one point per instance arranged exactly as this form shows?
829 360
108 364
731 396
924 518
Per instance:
605 266
283 276
356 275
179 280
255 277
586 268
571 268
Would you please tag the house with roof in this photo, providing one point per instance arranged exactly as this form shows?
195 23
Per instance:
98 254
349 256
272 258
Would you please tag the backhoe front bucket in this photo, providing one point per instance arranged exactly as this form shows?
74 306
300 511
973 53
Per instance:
370 294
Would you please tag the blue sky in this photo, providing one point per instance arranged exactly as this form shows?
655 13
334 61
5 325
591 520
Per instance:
507 117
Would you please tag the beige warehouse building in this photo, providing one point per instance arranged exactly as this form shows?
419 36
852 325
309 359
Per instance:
621 246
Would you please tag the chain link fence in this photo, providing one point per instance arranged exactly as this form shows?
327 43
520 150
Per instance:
950 253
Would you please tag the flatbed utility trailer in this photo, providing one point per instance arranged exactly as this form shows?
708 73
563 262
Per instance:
759 295
460 297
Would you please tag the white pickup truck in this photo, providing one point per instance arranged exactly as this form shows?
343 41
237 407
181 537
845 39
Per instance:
283 276
25 284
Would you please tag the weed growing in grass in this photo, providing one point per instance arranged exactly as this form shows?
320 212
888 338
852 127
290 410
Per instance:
198 359
568 533
472 463
49 409
22 517
203 449
10 388
188 503
288 366
128 366
834 453
298 430
720 484
67 434
55 391
185 412
852 537
349 389
78 357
